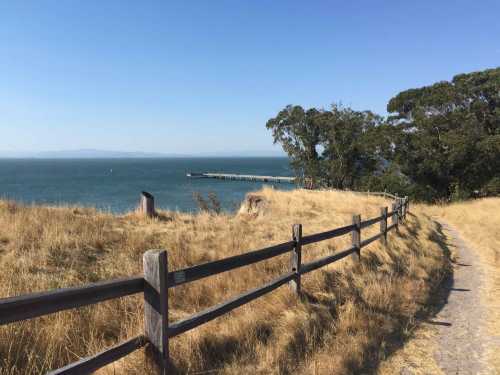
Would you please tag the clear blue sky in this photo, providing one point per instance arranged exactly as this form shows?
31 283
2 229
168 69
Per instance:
202 76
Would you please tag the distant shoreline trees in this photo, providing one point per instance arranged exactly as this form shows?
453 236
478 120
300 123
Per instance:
440 142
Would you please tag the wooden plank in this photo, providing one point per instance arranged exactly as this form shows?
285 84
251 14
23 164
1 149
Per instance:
311 266
327 235
391 195
90 364
156 308
200 271
370 240
400 210
30 306
376 193
383 225
356 237
223 308
369 222
147 204
394 216
392 226
296 258
382 194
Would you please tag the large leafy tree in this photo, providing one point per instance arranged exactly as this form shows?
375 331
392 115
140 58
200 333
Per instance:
449 134
349 152
329 148
299 133
439 142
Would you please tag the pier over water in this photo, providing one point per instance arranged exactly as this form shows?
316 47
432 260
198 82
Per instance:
242 177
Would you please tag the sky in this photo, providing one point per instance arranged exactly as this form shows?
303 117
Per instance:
193 77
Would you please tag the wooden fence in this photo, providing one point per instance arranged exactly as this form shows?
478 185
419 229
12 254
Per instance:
157 280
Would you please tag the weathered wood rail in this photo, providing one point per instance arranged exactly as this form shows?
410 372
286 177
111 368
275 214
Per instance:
156 281
243 177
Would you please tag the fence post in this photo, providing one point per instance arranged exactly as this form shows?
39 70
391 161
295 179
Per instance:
156 309
383 225
296 257
356 237
394 219
147 204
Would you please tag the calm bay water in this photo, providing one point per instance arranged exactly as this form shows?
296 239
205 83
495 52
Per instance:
115 184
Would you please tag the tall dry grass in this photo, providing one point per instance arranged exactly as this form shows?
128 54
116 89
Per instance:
478 221
351 317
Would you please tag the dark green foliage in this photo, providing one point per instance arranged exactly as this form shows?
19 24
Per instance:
329 148
448 136
348 150
492 187
440 141
298 131
391 180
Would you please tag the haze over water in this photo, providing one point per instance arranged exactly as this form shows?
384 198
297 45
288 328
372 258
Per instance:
115 184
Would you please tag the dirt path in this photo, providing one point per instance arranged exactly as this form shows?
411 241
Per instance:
462 337
454 341
459 339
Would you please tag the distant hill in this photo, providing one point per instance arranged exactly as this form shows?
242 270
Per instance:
81 154
243 153
106 154
90 153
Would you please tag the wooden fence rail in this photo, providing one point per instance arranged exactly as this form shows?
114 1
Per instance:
157 280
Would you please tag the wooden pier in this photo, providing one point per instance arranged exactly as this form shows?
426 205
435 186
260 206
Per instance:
243 177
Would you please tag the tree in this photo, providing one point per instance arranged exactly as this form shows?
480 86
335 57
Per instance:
298 132
439 142
448 134
330 148
349 152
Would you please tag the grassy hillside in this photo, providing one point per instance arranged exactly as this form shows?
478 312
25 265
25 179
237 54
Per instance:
352 316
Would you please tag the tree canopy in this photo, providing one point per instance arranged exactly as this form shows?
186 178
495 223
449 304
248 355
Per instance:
439 142
448 138
329 148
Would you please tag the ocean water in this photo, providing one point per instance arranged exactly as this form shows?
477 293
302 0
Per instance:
115 184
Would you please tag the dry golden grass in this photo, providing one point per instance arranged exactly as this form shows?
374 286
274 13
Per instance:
352 315
478 221
416 357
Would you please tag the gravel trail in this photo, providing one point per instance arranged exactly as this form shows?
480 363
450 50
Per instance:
462 335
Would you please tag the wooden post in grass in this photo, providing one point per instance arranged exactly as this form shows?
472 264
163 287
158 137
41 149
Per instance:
296 257
383 225
356 237
147 204
156 309
394 219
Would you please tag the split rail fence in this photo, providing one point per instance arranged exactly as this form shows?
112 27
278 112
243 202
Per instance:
157 279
